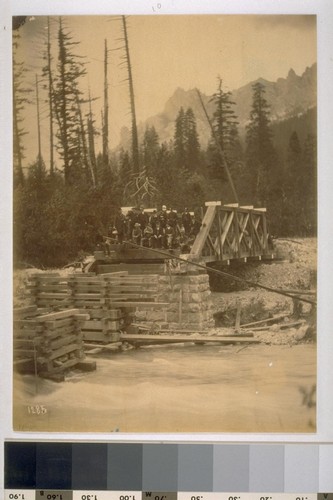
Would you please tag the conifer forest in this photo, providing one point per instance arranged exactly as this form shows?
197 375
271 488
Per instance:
69 189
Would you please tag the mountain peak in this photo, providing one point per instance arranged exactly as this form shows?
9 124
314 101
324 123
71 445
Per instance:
291 74
287 97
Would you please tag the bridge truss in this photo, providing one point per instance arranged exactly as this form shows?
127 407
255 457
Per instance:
232 232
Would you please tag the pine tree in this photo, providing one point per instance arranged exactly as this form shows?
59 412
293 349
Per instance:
260 153
186 141
290 201
294 171
47 72
180 139
308 186
20 98
150 150
192 146
66 99
225 132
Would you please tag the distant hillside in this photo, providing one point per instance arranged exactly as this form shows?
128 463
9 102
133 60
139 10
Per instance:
303 124
288 97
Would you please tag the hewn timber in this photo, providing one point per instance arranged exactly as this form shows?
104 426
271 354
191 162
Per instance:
172 339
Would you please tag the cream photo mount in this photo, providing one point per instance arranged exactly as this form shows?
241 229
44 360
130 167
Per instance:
320 9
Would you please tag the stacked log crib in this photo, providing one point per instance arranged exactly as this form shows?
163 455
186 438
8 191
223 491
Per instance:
49 344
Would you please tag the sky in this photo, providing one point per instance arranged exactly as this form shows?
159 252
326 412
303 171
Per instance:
167 52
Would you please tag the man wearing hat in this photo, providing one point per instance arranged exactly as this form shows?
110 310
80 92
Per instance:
186 221
162 216
137 233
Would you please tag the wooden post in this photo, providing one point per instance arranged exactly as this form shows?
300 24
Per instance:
252 234
180 307
265 235
236 225
238 316
219 226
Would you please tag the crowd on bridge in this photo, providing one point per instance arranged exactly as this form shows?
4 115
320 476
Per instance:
152 228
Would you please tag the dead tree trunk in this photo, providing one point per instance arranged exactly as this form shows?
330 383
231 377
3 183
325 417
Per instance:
135 142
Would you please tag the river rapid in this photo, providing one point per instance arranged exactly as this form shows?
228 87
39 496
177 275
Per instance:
193 388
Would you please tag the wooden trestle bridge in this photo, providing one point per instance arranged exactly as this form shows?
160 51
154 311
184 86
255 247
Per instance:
232 232
227 233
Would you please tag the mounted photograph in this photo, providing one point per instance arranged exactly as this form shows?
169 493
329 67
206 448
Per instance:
165 223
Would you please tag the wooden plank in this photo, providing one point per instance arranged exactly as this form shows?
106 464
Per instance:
24 341
226 227
112 346
24 311
114 274
132 288
23 323
299 292
236 238
135 280
23 353
197 339
51 303
59 369
45 276
53 295
84 296
238 315
213 203
267 320
219 233
98 336
85 278
206 225
68 340
65 350
106 314
282 326
91 350
131 296
132 304
133 276
59 314
88 282
90 305
133 269
63 332
25 333
105 325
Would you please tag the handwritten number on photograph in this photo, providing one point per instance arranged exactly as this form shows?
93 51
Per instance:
37 409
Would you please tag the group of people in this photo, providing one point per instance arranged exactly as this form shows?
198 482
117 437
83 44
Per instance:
164 229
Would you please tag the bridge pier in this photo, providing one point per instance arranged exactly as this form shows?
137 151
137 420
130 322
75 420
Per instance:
189 301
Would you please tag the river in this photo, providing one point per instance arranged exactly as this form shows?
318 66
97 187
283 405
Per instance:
255 388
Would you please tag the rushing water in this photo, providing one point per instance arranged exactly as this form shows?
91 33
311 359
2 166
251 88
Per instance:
178 389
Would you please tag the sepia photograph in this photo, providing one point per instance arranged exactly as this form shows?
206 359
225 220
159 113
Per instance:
165 223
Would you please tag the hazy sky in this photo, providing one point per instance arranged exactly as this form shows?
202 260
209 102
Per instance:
174 51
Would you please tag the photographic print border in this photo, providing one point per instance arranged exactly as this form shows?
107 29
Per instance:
323 11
